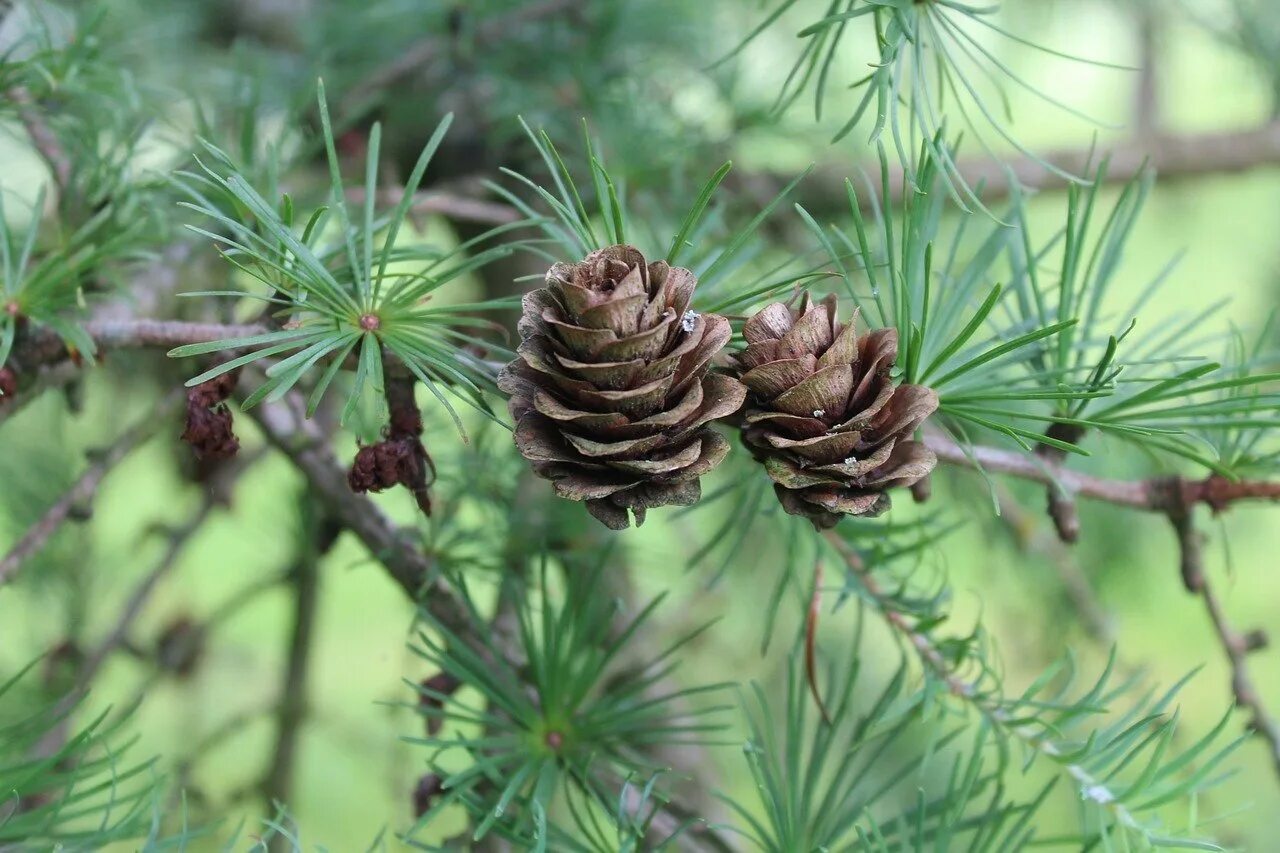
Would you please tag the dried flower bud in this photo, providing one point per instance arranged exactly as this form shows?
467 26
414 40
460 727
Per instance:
209 421
8 382
180 647
425 793
443 684
400 459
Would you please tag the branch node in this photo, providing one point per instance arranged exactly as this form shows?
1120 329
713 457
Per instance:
1176 498
1062 502
1256 640
80 511
1066 517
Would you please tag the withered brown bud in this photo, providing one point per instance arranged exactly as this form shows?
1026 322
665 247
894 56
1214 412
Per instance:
8 382
441 683
611 392
180 647
833 431
400 459
425 793
209 421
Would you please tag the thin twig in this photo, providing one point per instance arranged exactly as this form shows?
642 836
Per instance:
278 786
448 204
1173 157
1237 646
178 540
1152 495
216 493
1061 504
45 347
42 136
1097 621
82 492
425 51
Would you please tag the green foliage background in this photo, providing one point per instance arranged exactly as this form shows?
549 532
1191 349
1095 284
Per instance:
353 778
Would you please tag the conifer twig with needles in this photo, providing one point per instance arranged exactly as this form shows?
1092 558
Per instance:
1151 494
83 491
936 662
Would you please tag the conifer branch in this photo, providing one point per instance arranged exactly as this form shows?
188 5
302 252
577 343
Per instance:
81 494
45 347
990 709
304 443
1151 495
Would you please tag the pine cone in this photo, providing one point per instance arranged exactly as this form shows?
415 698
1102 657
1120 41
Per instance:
610 392
833 431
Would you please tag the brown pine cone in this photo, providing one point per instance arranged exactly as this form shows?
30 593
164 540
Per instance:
833 431
611 392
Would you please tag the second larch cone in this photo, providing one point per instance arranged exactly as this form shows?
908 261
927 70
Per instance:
833 431
611 392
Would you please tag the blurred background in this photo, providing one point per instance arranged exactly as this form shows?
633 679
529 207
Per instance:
204 658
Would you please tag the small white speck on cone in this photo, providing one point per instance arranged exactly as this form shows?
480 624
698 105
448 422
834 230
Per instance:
688 321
